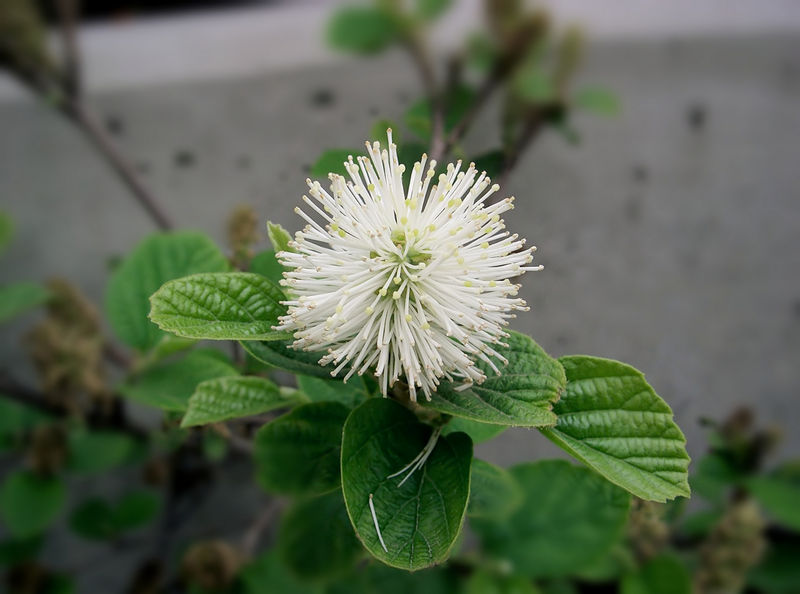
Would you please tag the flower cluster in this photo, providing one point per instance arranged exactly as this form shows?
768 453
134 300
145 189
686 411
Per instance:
413 283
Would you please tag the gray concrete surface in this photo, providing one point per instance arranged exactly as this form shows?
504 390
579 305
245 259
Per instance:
671 236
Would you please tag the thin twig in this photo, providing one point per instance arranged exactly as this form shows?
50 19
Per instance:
73 71
252 536
89 125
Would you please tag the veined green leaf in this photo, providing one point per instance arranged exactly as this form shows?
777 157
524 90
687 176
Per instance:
419 520
279 354
323 390
222 306
664 574
232 397
522 394
494 492
316 540
99 451
169 385
611 419
159 258
569 517
298 453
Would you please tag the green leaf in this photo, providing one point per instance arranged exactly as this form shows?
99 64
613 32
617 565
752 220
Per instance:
315 538
363 30
278 237
99 451
331 390
215 447
267 575
521 395
664 574
378 132
6 230
611 419
409 153
156 260
699 524
278 354
136 509
19 298
458 102
222 306
169 385
332 161
233 397
534 85
569 518
93 519
778 493
779 572
298 453
484 582
431 9
17 550
266 264
376 578
15 418
478 432
420 519
597 100
29 503
96 519
713 477
494 492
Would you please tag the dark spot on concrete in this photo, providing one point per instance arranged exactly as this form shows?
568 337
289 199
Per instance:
184 158
562 340
790 75
115 125
403 97
323 98
244 162
633 209
640 173
283 175
797 308
305 168
143 167
696 116
373 111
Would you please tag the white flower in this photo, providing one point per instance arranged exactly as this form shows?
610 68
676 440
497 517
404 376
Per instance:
413 284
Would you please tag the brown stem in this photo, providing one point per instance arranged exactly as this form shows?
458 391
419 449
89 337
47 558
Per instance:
253 534
89 125
530 130
72 70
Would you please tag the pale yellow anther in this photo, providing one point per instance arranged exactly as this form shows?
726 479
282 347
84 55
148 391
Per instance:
382 292
408 317
403 220
492 283
396 295
425 326
485 245
369 310
397 280
467 283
